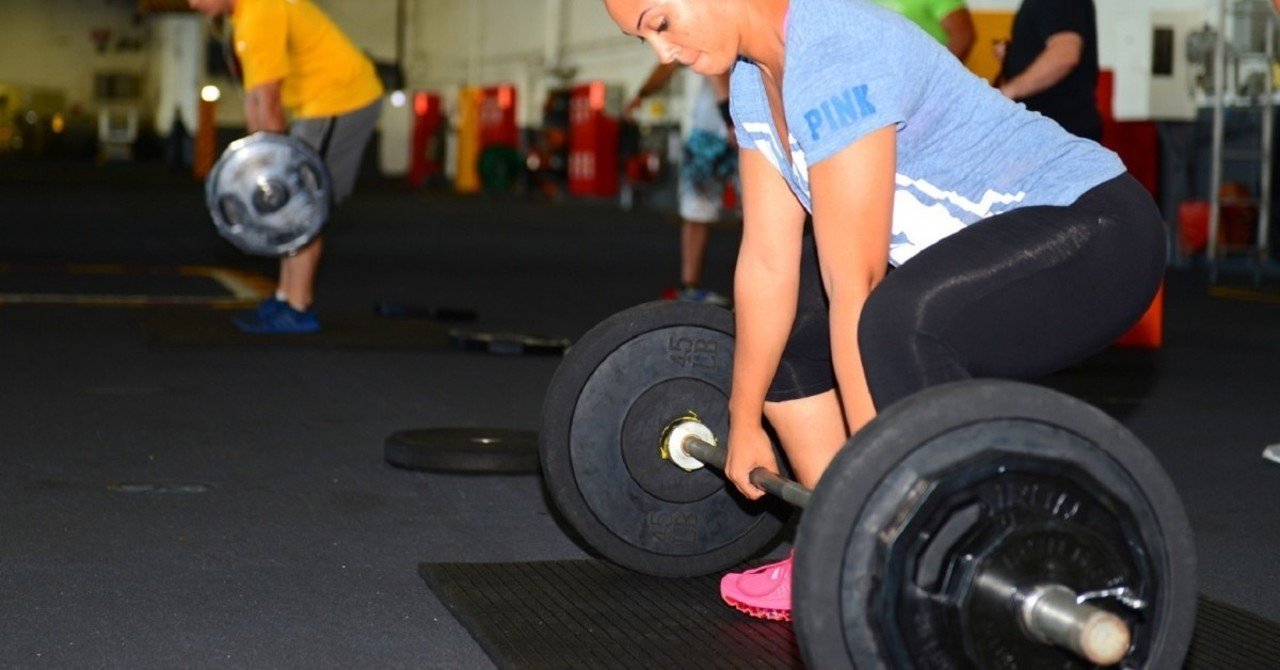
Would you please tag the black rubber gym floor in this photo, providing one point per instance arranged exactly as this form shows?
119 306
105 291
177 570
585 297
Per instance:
589 614
183 327
229 506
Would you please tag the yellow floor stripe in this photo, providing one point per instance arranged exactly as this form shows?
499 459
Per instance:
243 285
246 288
99 269
1252 295
8 299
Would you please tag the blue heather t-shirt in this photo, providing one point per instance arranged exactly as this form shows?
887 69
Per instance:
965 152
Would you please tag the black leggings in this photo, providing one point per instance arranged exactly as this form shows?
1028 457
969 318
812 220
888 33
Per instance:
1017 296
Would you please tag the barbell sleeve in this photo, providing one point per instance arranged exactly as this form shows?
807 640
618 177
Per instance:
1052 614
716 456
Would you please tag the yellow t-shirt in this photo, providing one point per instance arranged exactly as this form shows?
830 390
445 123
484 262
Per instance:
322 73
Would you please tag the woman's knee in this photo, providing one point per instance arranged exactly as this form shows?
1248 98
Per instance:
811 431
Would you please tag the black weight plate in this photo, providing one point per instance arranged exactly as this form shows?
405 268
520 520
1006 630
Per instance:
602 423
399 310
475 450
1056 471
508 344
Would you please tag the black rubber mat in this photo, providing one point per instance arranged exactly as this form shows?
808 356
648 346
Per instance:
213 328
1229 638
589 614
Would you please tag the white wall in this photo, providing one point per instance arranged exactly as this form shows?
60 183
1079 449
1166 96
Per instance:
1113 18
450 43
371 24
1117 18
485 42
1104 7
46 44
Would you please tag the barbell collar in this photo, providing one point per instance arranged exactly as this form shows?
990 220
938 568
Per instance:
716 456
673 442
1053 614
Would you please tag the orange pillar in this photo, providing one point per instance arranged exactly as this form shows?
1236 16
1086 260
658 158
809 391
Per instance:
468 156
989 28
206 140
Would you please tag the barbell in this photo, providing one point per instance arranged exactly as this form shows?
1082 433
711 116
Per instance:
988 524
269 194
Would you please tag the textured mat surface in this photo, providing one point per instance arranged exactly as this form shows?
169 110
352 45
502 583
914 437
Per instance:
1229 638
213 328
589 614
580 614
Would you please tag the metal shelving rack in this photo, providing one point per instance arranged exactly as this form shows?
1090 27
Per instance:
1254 10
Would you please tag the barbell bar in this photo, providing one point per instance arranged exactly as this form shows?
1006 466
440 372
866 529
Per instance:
689 444
1024 487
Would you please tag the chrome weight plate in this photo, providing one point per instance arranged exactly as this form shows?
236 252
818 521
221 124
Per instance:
269 194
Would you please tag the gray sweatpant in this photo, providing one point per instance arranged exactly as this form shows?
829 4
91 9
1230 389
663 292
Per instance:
340 141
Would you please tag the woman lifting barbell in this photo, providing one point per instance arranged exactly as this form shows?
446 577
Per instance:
1019 249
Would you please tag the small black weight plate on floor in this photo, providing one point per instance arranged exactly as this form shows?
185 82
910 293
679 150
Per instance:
998 479
477 450
603 418
400 310
508 344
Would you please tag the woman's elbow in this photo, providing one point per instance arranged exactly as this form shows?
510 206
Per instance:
854 287
960 43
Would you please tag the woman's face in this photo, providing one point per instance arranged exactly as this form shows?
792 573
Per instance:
693 32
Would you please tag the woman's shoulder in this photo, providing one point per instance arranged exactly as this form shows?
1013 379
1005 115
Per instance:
846 24
853 39
745 76
747 99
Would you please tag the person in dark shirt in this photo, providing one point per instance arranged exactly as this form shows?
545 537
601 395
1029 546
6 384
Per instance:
1051 63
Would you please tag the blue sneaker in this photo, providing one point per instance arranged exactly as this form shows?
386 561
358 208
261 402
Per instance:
278 319
269 305
691 294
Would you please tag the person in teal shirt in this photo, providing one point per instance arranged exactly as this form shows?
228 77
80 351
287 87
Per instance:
948 21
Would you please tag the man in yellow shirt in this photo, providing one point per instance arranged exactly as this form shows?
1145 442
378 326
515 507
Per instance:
295 58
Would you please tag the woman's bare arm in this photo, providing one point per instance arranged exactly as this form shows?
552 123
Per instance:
852 195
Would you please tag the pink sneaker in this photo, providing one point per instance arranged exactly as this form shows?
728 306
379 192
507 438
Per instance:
763 592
